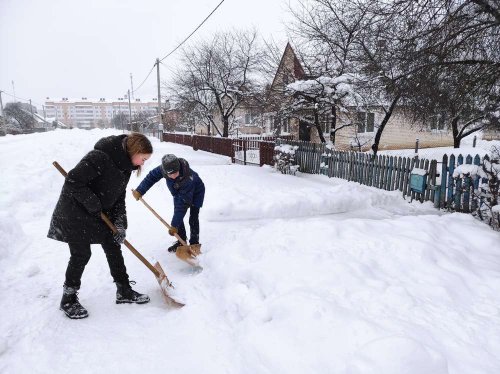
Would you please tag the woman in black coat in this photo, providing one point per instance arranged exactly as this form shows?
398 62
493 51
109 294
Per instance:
98 184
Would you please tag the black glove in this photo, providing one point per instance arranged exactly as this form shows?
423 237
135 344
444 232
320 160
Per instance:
119 235
186 204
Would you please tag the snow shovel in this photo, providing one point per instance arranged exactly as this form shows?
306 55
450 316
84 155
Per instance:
157 270
184 252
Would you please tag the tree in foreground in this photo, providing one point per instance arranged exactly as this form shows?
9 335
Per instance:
217 76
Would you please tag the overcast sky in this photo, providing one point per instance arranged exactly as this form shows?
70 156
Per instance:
69 48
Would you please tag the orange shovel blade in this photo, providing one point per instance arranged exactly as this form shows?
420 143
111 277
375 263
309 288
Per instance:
164 285
188 253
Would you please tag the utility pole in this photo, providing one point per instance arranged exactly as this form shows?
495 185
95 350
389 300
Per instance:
132 86
31 111
120 114
1 102
44 118
158 84
14 91
129 111
2 120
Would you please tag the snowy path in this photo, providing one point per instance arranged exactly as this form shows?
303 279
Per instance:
301 275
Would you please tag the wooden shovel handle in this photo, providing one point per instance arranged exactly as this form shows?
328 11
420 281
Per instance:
113 228
162 220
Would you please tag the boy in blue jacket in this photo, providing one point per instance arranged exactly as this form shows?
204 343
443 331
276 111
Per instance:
188 191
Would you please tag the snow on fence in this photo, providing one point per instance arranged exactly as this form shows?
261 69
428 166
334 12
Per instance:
384 172
457 193
421 179
394 173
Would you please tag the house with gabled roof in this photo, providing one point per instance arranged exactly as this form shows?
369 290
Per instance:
360 124
289 70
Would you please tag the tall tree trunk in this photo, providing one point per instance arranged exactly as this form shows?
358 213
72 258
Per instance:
456 137
334 124
225 130
381 128
318 126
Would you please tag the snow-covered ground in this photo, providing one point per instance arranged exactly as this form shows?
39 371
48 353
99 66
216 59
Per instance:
302 274
466 148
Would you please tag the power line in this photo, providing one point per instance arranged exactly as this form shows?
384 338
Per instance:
185 40
168 67
176 48
145 79
20 98
154 65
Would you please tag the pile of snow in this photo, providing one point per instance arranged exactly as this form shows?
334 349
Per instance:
301 274
482 148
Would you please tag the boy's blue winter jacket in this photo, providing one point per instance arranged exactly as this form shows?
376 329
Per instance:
187 189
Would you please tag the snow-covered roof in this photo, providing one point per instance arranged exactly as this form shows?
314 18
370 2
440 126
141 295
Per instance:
99 100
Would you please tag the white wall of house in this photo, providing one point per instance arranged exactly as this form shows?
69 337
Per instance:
399 132
245 120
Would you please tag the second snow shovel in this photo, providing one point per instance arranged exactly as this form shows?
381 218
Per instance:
184 252
157 270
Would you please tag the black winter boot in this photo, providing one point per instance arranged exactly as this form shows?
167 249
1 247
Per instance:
126 295
70 304
174 246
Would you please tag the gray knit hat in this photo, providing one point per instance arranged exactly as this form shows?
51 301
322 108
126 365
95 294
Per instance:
170 164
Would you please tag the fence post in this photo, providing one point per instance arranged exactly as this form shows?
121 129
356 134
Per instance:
474 141
467 183
459 185
444 180
244 152
416 146
450 181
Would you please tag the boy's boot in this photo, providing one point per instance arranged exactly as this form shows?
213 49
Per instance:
70 304
174 246
126 295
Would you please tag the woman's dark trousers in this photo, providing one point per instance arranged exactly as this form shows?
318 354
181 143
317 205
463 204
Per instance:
80 256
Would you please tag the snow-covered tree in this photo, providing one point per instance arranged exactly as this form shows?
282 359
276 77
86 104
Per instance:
313 99
325 33
456 62
217 76
434 58
486 195
120 121
17 116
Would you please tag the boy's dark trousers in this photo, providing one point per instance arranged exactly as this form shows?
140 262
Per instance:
194 226
80 256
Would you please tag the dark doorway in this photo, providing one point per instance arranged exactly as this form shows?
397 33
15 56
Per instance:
304 131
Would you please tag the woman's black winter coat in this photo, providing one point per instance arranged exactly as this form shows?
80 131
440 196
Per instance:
97 183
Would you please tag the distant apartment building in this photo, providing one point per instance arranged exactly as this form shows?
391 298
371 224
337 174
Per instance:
90 113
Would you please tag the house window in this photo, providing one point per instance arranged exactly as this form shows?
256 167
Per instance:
285 127
365 122
325 121
250 118
283 123
438 122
